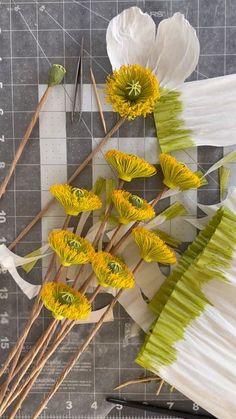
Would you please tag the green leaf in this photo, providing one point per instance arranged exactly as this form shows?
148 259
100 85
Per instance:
224 174
99 186
29 266
167 238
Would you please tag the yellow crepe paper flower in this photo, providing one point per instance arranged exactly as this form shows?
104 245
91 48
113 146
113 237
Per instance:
71 248
131 207
152 248
177 175
111 271
132 91
64 302
75 200
129 166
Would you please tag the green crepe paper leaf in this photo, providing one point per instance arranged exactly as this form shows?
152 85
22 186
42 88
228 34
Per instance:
110 186
224 174
229 158
167 238
171 131
174 210
29 266
99 186
181 299
56 75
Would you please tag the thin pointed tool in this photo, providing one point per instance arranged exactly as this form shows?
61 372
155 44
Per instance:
78 87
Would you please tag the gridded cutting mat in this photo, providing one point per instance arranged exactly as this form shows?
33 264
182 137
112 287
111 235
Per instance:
34 35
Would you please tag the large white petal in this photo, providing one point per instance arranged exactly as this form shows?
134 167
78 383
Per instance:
176 52
130 38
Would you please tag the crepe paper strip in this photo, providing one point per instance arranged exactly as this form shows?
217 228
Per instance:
38 252
181 299
192 343
174 210
98 101
167 238
199 223
9 261
229 158
55 77
95 315
171 51
229 202
224 174
134 304
206 114
171 131
222 219
99 185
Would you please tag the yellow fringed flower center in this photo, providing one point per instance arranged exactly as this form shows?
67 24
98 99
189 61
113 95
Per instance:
75 200
65 302
71 248
111 271
131 207
132 91
177 174
129 166
152 248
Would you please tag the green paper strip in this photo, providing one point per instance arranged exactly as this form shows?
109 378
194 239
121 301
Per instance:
167 238
99 185
174 210
224 174
171 131
180 300
29 266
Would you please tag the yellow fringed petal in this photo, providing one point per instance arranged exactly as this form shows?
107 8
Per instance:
111 271
64 302
152 248
177 175
131 207
71 248
75 200
129 166
132 91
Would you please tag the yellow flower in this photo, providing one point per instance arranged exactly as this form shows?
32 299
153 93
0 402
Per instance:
129 166
75 200
132 91
111 271
152 248
64 302
177 175
71 248
131 207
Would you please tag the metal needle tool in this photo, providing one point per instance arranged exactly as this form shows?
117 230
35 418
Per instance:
78 87
159 410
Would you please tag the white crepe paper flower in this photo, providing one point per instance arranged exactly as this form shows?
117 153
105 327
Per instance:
171 50
197 113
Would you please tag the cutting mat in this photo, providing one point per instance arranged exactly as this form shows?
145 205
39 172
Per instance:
33 35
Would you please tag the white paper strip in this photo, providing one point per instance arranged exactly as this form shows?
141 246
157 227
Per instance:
209 110
9 261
